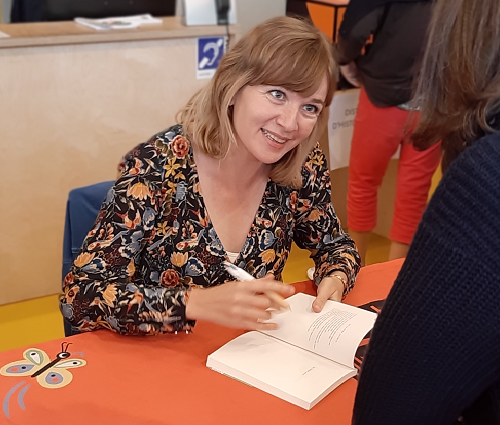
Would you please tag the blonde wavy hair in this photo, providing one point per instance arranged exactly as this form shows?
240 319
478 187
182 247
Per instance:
286 52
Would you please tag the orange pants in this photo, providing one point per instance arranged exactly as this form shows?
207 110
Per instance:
378 132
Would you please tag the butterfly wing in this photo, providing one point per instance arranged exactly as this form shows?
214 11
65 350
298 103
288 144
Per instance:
33 357
18 368
58 376
70 364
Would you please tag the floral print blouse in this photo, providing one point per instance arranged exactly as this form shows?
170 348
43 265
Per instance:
153 240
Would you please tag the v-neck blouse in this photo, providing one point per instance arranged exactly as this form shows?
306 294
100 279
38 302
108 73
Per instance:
153 240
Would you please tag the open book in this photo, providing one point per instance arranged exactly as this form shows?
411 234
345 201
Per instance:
305 359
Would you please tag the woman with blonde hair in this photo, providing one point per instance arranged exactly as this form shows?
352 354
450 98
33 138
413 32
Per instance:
434 356
238 179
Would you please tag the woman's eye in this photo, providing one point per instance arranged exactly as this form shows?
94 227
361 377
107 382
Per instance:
311 109
278 94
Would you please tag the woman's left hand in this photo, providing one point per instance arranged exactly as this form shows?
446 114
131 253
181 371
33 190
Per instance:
330 288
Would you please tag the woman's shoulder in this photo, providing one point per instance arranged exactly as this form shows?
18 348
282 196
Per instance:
479 160
167 144
315 161
316 157
315 172
170 145
474 177
489 142
171 142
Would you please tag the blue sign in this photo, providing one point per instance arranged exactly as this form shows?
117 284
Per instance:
210 52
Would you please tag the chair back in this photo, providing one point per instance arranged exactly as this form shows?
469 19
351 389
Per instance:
82 209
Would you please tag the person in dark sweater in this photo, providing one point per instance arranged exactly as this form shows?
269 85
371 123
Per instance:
434 355
384 67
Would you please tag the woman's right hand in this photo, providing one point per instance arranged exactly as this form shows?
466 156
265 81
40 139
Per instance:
236 304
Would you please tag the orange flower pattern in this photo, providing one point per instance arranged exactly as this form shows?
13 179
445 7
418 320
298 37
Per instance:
180 146
153 241
169 278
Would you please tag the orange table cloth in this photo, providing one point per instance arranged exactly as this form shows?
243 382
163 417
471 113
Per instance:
164 380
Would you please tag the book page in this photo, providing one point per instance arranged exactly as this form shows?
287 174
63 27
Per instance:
295 375
335 333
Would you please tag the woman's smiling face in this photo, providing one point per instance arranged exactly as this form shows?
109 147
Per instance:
270 121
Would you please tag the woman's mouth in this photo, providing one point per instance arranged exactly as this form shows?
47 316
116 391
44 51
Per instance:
273 137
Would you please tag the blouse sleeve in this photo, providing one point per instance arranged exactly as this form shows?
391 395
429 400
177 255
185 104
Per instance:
103 288
317 227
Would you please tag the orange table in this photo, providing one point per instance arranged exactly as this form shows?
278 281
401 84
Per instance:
163 379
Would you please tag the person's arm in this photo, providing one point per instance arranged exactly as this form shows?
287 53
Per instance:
104 287
318 229
435 348
350 46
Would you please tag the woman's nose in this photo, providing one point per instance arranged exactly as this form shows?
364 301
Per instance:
288 118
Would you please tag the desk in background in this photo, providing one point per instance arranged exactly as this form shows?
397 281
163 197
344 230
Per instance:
163 379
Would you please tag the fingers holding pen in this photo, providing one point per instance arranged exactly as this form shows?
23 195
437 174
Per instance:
253 312
239 304
275 291
264 294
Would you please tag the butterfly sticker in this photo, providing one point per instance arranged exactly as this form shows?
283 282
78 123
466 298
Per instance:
51 374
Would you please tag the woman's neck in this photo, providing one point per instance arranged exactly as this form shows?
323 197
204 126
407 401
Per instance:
238 167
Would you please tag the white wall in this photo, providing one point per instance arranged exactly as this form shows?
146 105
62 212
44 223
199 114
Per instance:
253 12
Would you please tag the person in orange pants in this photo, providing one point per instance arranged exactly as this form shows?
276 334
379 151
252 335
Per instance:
378 133
385 68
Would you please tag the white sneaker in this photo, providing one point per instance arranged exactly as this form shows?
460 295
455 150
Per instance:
310 273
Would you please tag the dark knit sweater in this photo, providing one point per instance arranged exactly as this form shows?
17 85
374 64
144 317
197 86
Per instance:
435 350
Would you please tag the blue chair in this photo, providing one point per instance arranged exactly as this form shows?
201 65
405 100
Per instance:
82 208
